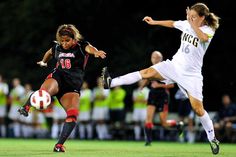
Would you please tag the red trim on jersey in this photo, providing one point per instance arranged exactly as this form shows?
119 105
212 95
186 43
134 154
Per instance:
57 65
85 60
49 76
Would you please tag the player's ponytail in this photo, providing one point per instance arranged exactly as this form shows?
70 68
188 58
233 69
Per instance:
212 20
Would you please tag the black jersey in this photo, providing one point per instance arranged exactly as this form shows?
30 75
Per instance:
73 59
69 71
157 97
158 91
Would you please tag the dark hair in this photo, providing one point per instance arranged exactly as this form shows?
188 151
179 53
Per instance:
210 18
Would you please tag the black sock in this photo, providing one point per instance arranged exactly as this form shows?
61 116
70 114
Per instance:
27 103
66 131
148 134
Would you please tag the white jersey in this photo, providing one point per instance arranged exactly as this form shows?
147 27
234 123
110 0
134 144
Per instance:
186 65
191 52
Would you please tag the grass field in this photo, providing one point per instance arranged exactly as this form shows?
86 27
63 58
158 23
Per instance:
77 148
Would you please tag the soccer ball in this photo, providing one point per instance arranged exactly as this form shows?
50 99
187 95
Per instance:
40 99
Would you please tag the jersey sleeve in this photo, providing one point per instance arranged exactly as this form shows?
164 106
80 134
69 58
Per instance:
54 45
208 30
180 24
83 44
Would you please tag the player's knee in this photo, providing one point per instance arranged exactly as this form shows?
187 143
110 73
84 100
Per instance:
199 110
72 115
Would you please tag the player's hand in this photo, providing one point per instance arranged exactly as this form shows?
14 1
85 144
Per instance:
149 20
100 54
42 64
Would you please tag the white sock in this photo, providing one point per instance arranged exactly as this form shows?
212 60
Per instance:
126 79
3 130
16 129
104 130
82 131
55 131
99 131
89 131
208 126
137 132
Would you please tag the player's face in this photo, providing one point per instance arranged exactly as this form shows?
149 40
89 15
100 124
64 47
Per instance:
155 58
193 15
66 42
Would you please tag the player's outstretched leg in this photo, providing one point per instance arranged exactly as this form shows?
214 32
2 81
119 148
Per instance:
106 78
24 110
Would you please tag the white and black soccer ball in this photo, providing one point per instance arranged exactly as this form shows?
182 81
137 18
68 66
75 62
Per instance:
40 99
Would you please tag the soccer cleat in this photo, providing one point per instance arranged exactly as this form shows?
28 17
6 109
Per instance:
180 128
106 78
59 148
24 110
148 144
215 148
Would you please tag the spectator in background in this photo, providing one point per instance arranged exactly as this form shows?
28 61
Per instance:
140 97
100 113
186 114
27 123
16 95
226 119
158 100
85 127
4 89
116 111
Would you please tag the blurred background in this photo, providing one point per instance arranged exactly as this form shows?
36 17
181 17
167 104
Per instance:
115 26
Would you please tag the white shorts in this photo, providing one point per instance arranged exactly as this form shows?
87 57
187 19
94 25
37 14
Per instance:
2 111
100 113
139 115
58 113
187 81
84 116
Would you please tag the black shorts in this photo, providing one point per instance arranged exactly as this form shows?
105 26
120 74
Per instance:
67 81
158 100
184 108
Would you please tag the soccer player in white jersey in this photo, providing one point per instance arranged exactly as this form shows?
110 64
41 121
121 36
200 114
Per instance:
185 67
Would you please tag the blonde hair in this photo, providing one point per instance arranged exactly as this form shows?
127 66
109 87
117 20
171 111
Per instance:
69 30
210 18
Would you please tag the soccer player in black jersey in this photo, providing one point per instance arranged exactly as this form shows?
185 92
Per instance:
65 81
158 99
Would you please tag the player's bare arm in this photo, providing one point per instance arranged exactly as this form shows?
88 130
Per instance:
144 83
47 56
165 23
93 50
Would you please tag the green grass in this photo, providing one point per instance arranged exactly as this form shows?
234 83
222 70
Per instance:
77 148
